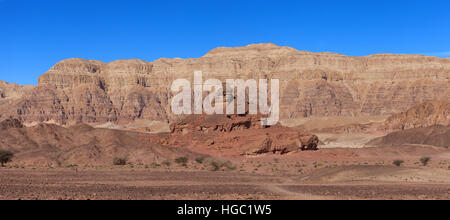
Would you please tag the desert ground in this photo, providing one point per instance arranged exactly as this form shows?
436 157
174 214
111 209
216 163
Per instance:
329 174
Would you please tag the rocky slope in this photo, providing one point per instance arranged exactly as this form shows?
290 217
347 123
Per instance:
438 136
424 115
194 137
81 144
11 91
312 84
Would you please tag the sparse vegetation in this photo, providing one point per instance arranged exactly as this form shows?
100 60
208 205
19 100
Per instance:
219 165
425 160
229 165
215 166
5 157
182 161
72 166
166 163
155 165
120 161
398 162
200 160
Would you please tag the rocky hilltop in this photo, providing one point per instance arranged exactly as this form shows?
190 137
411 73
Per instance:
312 84
10 91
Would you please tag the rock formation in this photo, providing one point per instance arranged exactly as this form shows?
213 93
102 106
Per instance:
194 137
11 91
235 135
424 115
10 123
312 84
81 144
438 136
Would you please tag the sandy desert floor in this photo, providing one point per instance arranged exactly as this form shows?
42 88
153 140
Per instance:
326 174
129 184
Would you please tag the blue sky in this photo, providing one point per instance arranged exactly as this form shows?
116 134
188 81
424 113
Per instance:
35 34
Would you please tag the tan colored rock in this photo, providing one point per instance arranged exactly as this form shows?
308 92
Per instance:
11 91
10 123
438 136
312 84
421 116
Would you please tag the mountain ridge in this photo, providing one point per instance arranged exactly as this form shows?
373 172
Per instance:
311 84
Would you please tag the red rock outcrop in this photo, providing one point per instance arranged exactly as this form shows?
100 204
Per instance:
237 135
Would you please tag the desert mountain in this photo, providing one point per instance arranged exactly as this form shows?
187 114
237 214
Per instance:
312 84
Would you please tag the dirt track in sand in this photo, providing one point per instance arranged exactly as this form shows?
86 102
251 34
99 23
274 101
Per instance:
149 185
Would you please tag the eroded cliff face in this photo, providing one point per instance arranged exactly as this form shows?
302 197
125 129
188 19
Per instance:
311 84
421 116
10 91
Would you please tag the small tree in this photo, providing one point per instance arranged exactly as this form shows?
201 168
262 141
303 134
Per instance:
215 166
425 160
5 157
200 159
182 160
119 161
167 163
398 162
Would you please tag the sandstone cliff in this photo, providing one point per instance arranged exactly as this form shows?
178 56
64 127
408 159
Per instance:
11 91
312 84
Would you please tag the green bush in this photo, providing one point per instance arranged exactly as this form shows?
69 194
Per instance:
182 160
5 157
119 161
167 163
155 165
425 160
398 162
215 166
218 165
200 160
